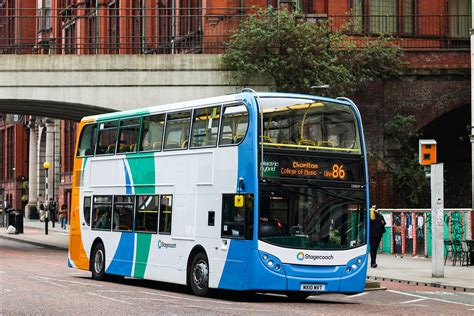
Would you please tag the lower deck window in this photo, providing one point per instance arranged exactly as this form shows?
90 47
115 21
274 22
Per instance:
102 212
123 213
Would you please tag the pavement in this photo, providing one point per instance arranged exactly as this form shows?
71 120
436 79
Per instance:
406 269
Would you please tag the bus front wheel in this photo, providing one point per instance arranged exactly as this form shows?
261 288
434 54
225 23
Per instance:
199 275
98 262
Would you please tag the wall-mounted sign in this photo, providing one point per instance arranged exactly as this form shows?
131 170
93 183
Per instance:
317 168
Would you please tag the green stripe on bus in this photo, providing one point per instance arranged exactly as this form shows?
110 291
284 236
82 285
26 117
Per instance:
142 167
84 161
119 115
141 256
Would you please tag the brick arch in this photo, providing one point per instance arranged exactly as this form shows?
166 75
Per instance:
426 99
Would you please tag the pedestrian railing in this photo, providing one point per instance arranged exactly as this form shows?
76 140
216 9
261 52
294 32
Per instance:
87 29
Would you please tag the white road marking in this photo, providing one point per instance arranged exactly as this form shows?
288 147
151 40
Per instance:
114 291
413 301
186 298
69 281
429 298
110 298
46 281
1 272
356 295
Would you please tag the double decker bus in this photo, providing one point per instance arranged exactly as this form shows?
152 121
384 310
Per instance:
259 192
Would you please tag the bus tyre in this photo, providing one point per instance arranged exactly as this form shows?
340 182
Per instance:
297 296
199 275
98 262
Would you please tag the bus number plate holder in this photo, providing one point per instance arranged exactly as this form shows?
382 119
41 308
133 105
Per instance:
312 287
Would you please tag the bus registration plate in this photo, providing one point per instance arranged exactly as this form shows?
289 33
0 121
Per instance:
312 287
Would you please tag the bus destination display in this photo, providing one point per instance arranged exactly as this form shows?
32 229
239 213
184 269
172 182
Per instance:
276 166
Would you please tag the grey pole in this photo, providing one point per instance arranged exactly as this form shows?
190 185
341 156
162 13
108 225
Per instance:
437 221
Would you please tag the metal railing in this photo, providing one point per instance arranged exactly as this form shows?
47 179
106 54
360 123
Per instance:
113 30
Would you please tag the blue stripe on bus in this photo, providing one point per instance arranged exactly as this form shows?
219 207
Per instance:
128 183
239 253
122 262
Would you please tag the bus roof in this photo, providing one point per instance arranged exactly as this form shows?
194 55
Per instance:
212 100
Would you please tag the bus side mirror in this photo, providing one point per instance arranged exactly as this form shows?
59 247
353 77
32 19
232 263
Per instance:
238 201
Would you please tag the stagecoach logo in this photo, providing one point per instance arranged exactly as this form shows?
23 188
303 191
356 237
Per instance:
162 244
301 256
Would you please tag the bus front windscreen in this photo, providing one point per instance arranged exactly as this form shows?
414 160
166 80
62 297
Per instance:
303 124
312 218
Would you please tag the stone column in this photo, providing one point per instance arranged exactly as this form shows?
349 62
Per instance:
50 156
32 174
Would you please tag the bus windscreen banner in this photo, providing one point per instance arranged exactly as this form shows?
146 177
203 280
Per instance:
314 168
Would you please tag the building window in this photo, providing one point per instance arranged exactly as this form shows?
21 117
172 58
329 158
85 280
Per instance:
383 16
92 26
2 153
70 38
69 145
114 27
10 153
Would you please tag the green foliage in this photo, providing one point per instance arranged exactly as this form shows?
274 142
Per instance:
402 128
278 45
412 185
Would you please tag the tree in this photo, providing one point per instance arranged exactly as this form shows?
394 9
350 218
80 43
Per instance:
411 183
278 45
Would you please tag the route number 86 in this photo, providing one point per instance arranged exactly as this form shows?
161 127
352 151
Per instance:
338 171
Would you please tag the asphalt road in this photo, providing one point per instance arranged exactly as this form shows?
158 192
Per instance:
35 280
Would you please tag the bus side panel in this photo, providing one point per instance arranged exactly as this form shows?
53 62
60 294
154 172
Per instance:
77 256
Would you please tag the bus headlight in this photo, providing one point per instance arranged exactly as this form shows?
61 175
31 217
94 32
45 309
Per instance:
271 262
359 261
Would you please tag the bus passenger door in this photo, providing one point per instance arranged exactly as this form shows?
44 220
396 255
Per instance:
237 236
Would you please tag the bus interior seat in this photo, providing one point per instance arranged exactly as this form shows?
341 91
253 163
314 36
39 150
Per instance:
156 146
307 142
226 140
266 139
238 138
110 149
184 144
123 148
133 147
172 145
89 151
327 143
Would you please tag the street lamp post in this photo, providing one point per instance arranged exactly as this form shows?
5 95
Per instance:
46 167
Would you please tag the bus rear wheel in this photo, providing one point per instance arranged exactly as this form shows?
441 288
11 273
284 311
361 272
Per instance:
98 262
199 275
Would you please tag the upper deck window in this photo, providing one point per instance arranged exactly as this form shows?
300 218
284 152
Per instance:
87 141
107 138
304 124
235 121
152 132
128 138
205 127
177 130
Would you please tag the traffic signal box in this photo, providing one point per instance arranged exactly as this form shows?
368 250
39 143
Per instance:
427 152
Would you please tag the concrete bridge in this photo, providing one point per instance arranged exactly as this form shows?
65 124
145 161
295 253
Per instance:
70 87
